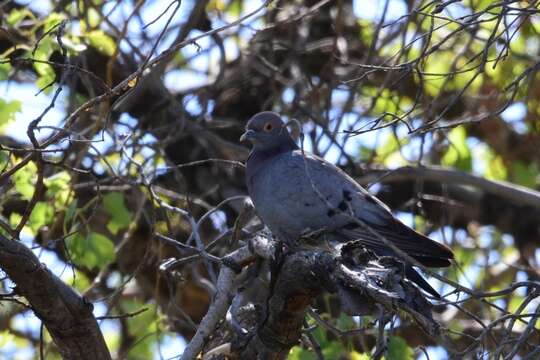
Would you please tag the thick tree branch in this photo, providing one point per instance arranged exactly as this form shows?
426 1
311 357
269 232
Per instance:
66 315
514 193
223 297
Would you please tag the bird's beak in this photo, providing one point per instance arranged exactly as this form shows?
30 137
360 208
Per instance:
247 135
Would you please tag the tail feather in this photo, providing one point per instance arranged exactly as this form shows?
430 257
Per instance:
426 251
416 278
421 248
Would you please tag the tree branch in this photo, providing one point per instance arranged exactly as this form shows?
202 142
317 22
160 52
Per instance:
66 315
515 193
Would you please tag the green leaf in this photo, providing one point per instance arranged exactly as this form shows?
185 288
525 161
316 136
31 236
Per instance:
93 17
8 109
58 188
345 322
299 353
45 71
358 356
5 69
14 219
70 213
458 154
333 350
116 208
437 65
141 326
4 159
466 256
398 349
43 52
389 151
41 215
44 82
77 279
101 41
514 303
524 175
6 338
17 15
496 170
52 20
235 8
24 180
93 250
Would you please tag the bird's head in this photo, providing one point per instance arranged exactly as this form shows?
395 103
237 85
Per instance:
266 131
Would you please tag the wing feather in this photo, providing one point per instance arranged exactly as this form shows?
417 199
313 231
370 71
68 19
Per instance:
375 214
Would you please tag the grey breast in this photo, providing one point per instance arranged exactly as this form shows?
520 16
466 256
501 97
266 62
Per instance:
295 194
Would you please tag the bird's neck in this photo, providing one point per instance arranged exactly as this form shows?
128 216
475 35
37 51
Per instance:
259 158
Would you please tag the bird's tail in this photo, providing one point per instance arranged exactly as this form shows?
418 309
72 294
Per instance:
416 278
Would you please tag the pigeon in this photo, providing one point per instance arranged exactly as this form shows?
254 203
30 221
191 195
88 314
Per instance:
297 194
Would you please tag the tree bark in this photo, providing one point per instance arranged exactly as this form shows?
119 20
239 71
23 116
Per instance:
67 315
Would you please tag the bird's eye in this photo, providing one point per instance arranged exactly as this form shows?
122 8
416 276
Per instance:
268 127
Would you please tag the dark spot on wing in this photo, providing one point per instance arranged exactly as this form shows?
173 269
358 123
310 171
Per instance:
331 212
347 195
350 226
342 206
307 204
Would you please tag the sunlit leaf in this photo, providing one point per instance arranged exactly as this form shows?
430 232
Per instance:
358 356
299 353
70 213
76 279
44 82
17 15
58 187
42 53
389 152
93 250
24 180
514 303
41 215
436 67
8 109
101 42
116 208
458 154
14 219
46 74
5 69
93 17
496 169
235 8
52 21
142 325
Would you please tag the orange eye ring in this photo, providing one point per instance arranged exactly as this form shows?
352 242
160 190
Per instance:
268 127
